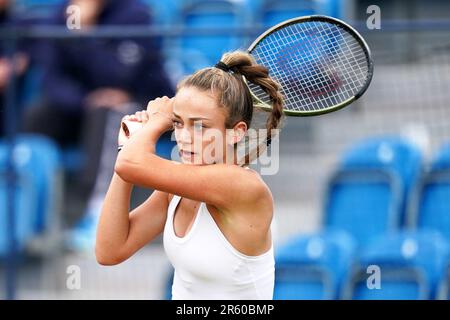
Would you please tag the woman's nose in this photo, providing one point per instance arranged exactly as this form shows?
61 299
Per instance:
185 136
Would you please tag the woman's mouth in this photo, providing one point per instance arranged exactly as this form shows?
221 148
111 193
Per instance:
186 154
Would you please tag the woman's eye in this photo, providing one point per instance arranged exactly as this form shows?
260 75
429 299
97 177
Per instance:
177 124
198 126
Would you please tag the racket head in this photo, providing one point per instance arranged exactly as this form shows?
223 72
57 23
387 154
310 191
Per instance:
321 63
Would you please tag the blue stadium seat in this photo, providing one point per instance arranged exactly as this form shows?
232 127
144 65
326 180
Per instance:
46 171
404 284
38 158
410 263
367 194
313 267
365 203
199 51
25 200
391 153
442 159
333 8
444 286
166 145
164 13
430 207
272 12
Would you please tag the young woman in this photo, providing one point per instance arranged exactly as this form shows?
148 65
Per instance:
214 212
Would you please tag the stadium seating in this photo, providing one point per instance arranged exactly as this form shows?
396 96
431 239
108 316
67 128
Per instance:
444 286
24 202
363 203
164 13
367 194
365 200
272 12
47 173
200 51
430 207
313 267
38 187
410 263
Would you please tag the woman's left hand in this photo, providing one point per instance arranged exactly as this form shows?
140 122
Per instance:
160 113
131 124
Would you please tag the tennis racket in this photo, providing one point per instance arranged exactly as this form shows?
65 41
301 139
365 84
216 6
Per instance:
321 63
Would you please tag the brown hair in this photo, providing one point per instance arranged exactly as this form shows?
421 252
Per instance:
233 93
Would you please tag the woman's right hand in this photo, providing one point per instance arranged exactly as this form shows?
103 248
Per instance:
130 124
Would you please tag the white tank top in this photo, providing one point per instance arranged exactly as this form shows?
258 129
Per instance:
208 267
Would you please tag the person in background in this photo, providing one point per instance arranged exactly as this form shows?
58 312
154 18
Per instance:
88 85
17 62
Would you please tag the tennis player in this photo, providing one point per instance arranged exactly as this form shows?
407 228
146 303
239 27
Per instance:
214 212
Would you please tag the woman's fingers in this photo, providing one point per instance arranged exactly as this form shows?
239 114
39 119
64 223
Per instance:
132 123
144 115
139 116
163 104
135 117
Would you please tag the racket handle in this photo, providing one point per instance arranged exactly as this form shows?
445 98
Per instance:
130 127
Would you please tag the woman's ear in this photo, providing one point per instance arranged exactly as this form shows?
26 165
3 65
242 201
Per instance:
239 131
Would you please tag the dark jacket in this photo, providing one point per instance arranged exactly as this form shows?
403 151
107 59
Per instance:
73 68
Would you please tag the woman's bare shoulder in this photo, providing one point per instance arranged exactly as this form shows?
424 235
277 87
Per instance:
257 196
260 181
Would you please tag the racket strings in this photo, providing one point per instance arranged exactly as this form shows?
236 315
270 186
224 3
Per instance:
310 81
318 65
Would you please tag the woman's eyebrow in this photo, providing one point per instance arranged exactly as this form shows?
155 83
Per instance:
191 118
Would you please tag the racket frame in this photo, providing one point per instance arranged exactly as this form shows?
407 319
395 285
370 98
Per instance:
260 104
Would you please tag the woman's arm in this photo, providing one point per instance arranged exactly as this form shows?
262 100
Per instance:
120 233
221 185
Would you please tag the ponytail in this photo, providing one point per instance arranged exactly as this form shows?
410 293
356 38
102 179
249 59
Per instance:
227 81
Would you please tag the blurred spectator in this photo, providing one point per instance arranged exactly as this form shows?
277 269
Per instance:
89 84
20 61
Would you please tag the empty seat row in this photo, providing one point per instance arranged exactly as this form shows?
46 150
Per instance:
37 187
405 265
386 210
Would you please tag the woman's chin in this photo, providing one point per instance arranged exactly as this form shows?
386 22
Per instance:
191 160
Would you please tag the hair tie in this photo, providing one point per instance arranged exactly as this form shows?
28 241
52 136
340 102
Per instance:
222 66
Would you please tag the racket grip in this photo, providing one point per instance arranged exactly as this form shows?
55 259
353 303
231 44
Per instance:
130 127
